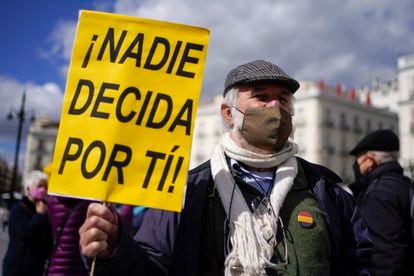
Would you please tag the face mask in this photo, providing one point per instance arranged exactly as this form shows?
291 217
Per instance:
266 128
38 193
355 168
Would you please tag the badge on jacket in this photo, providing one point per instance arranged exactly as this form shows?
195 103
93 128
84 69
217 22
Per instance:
305 219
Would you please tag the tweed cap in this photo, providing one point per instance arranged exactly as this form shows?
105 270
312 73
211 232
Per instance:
379 140
259 71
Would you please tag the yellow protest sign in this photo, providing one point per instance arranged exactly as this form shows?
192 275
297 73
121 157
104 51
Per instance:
129 108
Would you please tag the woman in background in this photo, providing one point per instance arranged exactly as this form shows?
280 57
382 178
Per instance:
30 237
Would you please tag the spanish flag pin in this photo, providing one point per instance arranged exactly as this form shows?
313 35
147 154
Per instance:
305 219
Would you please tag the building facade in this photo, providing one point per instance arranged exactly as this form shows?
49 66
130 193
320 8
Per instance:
405 74
328 124
40 144
397 95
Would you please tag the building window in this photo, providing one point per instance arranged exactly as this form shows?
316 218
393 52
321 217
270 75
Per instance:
327 120
369 126
343 123
344 148
40 145
328 148
357 128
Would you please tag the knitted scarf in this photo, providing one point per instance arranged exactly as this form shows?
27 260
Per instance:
252 235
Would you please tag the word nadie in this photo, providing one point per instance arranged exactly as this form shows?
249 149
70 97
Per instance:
166 52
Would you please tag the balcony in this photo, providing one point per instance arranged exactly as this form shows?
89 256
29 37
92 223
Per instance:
328 149
344 126
357 130
344 152
328 123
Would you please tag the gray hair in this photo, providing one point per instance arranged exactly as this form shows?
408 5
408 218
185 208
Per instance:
33 178
384 156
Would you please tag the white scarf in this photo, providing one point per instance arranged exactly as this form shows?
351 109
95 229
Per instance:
252 236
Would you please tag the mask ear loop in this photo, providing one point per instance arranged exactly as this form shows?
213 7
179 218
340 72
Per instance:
244 113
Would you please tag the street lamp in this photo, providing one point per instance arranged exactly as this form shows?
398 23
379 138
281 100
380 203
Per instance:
21 114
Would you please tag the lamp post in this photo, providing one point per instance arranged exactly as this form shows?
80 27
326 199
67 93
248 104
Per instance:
21 113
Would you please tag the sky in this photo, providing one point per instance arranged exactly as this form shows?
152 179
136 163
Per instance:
348 42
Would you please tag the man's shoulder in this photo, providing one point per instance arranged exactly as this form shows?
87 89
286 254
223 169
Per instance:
202 168
199 174
318 171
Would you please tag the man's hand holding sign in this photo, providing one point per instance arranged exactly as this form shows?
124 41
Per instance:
127 119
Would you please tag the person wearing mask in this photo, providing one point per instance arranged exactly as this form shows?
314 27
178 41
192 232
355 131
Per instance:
382 193
253 209
30 237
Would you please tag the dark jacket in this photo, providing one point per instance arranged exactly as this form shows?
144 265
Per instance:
30 240
382 197
67 214
170 243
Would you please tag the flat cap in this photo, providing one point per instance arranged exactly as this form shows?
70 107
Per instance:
379 140
259 71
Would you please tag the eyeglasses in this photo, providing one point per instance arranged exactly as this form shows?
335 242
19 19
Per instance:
263 206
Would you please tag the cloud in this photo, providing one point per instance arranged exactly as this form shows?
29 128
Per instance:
348 42
340 41
41 100
60 43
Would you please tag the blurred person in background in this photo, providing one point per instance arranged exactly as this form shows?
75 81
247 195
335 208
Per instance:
30 237
382 193
66 215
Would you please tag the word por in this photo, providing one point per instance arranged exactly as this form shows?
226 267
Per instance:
97 146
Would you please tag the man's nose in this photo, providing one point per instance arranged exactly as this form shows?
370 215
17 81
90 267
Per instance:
273 103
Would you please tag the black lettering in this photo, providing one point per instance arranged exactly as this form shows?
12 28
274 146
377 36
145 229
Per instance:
118 164
165 173
157 41
110 40
119 115
95 144
154 156
129 53
160 97
186 58
174 57
186 109
177 170
77 111
143 108
88 53
101 98
70 157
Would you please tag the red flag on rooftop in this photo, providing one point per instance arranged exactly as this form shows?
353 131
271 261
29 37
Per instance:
322 85
338 89
352 94
368 99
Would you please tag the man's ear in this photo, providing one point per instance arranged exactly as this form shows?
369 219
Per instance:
227 116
